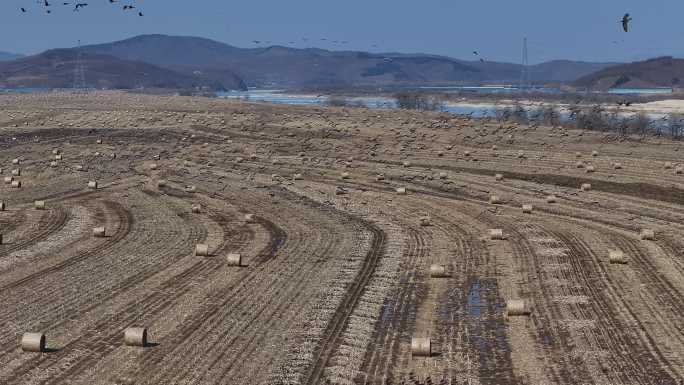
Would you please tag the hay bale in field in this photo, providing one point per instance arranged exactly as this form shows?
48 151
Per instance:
33 342
16 172
527 209
585 187
79 167
594 153
517 307
8 179
234 259
647 235
406 163
438 271
380 177
190 189
494 147
161 183
679 170
521 154
578 155
425 221
2 206
579 164
39 205
15 184
443 175
99 232
92 184
55 151
499 177
53 164
345 175
250 218
15 161
135 336
496 234
494 199
153 166
466 153
617 166
421 347
297 177
58 157
99 141
617 257
401 190
551 199
668 165
202 250
590 169
196 209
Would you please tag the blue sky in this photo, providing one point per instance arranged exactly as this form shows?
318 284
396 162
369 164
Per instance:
578 29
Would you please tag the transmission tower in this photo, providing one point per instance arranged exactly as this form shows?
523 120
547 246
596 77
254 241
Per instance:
524 76
79 71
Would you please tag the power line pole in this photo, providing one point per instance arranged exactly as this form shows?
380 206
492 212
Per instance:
524 75
79 71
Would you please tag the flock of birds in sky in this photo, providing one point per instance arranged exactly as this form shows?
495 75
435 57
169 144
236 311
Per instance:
626 19
47 6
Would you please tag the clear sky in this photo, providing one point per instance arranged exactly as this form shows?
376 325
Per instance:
556 29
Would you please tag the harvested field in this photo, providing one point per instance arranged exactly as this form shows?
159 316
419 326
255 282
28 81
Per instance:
309 277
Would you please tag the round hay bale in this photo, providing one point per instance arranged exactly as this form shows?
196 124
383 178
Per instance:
438 271
443 175
578 155
196 209
425 221
527 209
585 187
8 179
647 235
39 205
406 163
161 183
668 165
79 167
517 307
190 189
496 234
521 154
551 199
55 151
494 147
234 259
466 153
594 153
345 175
33 342
99 232
401 190
15 161
53 164
2 206
58 157
679 170
617 166
16 172
421 347
579 164
135 337
494 199
380 177
617 257
499 177
250 218
15 184
153 166
99 141
297 177
92 184
202 250
590 169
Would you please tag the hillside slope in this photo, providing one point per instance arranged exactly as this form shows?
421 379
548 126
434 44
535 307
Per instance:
659 72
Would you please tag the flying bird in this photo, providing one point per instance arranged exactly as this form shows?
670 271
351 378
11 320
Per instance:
140 14
23 10
80 5
476 53
625 22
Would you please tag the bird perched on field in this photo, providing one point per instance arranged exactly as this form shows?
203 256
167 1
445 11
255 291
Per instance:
625 22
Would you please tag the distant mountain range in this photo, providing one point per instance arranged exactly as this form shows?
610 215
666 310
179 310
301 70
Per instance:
312 67
5 56
659 72
180 62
